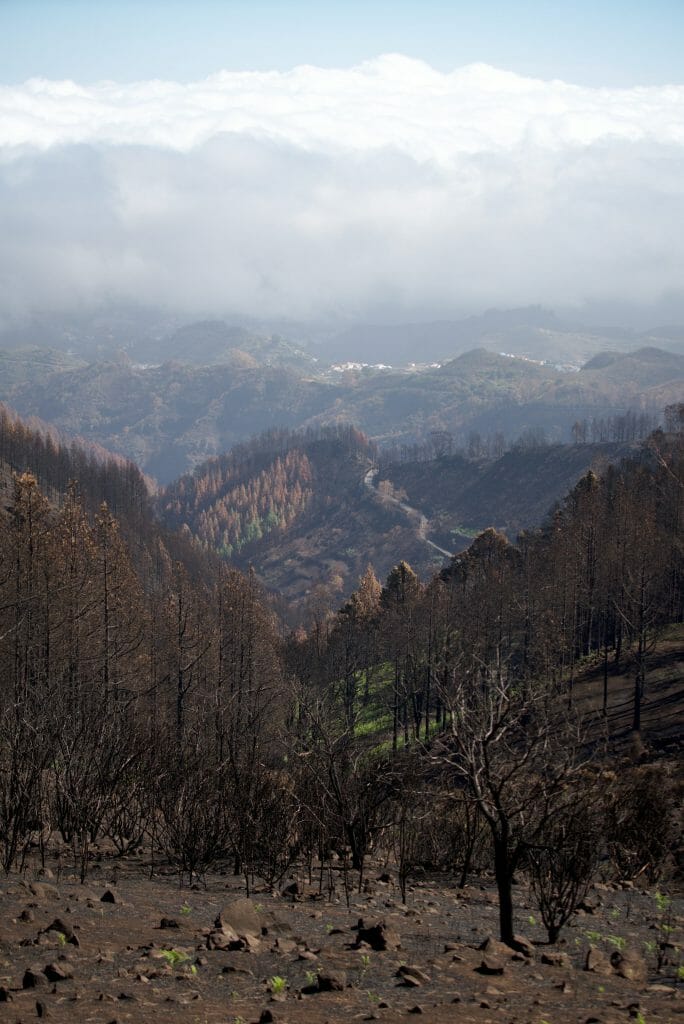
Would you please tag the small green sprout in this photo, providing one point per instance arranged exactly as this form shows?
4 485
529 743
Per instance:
615 913
531 920
311 977
174 957
680 973
662 902
186 908
193 968
277 984
329 927
593 937
61 938
617 941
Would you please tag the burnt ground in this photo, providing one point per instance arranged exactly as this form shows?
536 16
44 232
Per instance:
126 968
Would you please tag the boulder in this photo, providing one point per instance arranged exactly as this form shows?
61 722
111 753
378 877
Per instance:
629 965
378 936
332 981
241 916
597 962
412 976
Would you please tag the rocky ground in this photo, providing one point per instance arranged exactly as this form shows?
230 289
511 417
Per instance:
124 947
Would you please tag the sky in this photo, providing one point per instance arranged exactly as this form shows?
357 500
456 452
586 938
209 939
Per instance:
314 159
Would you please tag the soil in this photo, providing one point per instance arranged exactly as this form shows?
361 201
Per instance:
125 967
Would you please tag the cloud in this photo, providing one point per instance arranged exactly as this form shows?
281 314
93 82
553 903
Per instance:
317 190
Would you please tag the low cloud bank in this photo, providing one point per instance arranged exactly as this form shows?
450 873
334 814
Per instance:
322 191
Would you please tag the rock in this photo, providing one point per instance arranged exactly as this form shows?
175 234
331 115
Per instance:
379 937
27 916
500 949
223 938
61 927
267 1017
385 878
597 962
291 891
412 975
282 945
33 978
44 891
241 916
41 1009
629 965
490 965
54 973
168 922
5 995
332 981
108 897
416 1009
523 945
555 958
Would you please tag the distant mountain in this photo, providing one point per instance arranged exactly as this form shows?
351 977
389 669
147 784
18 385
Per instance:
531 332
171 417
214 341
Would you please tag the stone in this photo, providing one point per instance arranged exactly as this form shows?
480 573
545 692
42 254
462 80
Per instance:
55 972
291 891
27 916
555 958
223 938
108 897
44 891
41 1009
412 975
490 965
33 978
629 965
597 962
379 937
168 922
61 927
5 995
332 981
416 1009
241 916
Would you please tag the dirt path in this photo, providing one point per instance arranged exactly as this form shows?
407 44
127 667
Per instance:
420 521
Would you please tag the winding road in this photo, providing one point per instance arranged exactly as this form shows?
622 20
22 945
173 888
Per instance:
421 521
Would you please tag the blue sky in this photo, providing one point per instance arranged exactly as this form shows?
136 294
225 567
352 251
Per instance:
589 42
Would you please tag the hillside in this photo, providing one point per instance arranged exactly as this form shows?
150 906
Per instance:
511 493
170 418
294 508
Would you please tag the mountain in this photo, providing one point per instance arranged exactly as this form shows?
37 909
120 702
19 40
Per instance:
463 496
293 506
168 418
531 332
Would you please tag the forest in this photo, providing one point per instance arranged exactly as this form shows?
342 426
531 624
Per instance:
152 698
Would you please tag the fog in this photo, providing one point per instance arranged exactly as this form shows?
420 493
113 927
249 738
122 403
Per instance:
339 192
